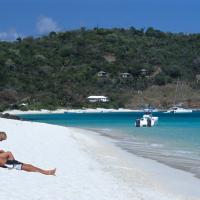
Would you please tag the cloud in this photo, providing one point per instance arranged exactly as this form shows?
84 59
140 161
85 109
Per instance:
9 35
46 25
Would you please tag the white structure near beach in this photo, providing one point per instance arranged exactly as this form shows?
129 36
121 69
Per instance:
102 74
125 75
94 99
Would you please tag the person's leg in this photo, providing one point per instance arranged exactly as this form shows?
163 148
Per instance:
2 161
7 155
31 168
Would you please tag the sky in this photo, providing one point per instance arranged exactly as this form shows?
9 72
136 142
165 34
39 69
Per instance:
23 18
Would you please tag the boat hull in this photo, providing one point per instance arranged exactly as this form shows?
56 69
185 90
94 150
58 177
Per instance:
179 110
146 121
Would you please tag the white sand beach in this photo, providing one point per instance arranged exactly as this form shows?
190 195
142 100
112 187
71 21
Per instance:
58 111
89 167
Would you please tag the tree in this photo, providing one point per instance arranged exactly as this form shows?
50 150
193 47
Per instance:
19 39
173 71
52 34
154 33
196 65
160 79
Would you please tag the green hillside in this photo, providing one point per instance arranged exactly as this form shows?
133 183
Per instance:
61 69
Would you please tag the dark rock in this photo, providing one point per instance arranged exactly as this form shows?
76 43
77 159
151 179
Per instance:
9 116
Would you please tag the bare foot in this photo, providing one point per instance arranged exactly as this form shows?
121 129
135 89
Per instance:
52 172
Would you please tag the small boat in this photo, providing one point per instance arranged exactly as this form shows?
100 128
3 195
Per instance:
176 109
146 121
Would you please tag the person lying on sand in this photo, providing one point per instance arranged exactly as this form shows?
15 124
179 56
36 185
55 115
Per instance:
7 160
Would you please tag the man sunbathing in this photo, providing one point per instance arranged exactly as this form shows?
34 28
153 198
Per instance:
7 160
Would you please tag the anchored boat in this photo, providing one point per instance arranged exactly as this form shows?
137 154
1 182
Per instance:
177 109
146 121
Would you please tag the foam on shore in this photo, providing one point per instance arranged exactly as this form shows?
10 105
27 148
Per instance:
88 167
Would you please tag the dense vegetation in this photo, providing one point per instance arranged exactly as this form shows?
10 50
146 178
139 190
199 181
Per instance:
60 70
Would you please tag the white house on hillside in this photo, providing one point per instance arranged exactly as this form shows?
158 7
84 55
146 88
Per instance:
102 74
125 75
94 99
143 72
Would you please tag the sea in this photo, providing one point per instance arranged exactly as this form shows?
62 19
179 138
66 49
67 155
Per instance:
175 141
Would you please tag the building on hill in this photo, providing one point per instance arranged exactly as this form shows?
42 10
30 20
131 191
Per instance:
94 99
143 72
125 75
102 74
198 78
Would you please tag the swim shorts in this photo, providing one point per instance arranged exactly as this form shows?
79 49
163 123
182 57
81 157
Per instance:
13 164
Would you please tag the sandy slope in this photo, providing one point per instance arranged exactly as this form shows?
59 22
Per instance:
88 167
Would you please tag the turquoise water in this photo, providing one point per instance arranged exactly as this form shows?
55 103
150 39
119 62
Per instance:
175 141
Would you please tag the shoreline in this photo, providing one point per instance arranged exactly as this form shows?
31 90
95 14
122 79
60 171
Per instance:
102 110
61 111
86 110
86 159
134 152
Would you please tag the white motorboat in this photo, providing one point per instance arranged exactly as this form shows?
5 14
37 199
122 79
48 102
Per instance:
146 121
176 109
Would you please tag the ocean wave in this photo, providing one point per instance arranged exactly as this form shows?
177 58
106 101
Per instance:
156 145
